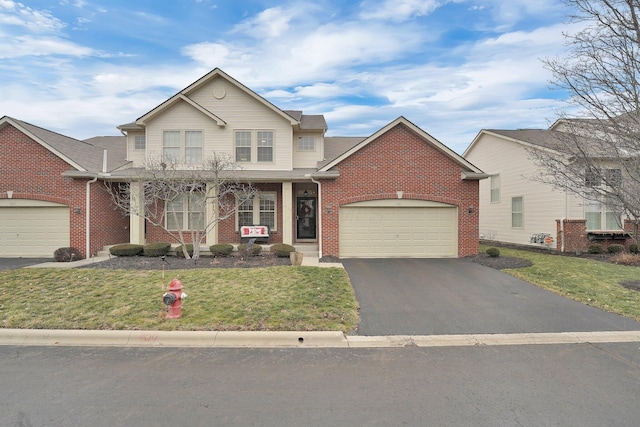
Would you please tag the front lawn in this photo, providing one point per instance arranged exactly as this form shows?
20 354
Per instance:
273 298
588 281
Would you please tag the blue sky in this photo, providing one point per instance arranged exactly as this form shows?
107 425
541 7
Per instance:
452 67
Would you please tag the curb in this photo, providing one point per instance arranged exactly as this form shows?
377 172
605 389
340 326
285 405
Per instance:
73 338
293 339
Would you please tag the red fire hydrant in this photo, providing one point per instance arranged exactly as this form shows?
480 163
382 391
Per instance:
173 299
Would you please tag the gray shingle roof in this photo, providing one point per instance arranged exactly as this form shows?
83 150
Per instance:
86 155
334 146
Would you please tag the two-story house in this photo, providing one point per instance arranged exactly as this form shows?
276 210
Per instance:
396 193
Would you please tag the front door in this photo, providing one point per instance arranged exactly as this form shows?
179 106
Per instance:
306 218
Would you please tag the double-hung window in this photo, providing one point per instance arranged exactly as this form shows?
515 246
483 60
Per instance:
517 212
182 146
600 216
186 212
254 146
495 188
259 210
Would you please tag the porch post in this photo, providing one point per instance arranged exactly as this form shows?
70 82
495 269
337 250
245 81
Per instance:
136 216
211 213
287 213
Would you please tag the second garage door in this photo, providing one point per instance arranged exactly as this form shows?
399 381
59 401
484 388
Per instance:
32 228
398 228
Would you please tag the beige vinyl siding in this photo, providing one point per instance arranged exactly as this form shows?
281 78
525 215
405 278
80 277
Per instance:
308 159
241 111
136 156
542 204
183 117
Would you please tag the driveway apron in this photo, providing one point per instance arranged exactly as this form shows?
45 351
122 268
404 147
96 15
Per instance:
458 296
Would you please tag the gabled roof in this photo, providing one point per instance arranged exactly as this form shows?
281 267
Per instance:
535 138
468 168
83 156
183 95
308 121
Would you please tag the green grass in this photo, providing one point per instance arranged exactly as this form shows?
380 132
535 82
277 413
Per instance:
590 282
273 298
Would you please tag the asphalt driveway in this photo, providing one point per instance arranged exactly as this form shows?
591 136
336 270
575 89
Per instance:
15 263
458 296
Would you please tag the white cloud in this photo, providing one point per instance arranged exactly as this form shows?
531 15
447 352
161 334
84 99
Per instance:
397 10
20 46
270 23
36 21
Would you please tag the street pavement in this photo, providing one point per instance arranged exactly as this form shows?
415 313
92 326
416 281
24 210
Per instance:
561 385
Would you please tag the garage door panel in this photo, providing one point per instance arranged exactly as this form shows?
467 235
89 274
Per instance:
33 231
383 232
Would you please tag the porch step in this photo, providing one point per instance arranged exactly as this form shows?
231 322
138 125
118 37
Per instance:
308 249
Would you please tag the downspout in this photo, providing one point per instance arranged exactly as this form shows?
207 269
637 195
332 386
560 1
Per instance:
87 213
566 209
87 220
319 211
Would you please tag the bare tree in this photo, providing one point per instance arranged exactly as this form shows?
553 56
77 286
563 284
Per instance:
185 202
597 156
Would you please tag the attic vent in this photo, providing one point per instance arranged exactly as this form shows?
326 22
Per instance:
219 92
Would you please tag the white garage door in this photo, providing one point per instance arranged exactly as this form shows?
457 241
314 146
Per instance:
32 228
398 228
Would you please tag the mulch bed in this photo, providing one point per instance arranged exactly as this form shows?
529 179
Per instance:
175 263
634 285
500 262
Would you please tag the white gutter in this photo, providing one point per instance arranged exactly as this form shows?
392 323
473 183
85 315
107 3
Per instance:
88 219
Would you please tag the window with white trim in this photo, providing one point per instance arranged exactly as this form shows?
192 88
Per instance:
306 143
254 146
600 216
517 212
186 212
182 146
259 210
140 142
495 188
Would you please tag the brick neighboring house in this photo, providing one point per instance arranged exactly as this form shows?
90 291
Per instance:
41 207
396 193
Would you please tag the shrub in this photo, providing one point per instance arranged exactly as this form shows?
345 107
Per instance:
282 249
66 254
615 249
126 249
633 248
156 249
180 253
595 248
255 249
626 259
493 252
221 249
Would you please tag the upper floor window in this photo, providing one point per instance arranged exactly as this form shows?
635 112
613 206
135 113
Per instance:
495 188
140 142
250 145
182 147
306 143
613 177
592 178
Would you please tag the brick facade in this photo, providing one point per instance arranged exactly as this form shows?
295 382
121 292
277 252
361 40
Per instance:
400 160
227 232
576 238
33 172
